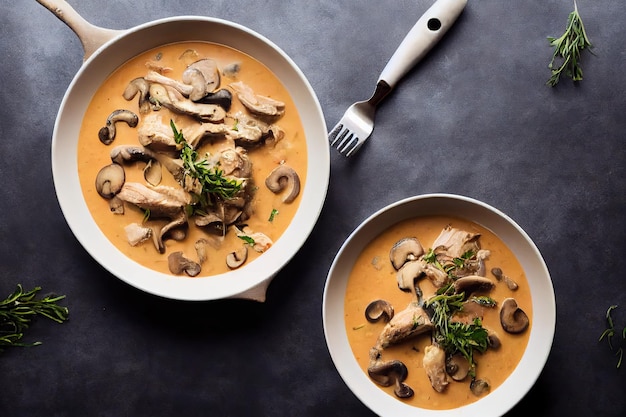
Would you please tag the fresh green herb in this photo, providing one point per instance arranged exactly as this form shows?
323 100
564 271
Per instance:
146 215
211 179
610 332
246 239
568 49
273 215
431 258
18 310
484 300
456 337
452 266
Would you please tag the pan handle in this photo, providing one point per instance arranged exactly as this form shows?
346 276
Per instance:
92 37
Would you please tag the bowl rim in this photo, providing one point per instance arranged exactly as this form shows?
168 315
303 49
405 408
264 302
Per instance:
523 377
251 280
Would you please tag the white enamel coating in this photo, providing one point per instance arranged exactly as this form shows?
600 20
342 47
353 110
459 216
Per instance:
503 398
248 282
421 38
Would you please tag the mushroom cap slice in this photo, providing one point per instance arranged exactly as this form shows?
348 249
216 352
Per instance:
513 319
139 86
283 177
110 180
108 132
204 77
379 309
391 373
153 173
178 264
237 258
405 250
457 366
221 97
479 387
473 283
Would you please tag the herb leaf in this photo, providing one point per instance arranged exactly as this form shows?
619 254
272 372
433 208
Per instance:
609 332
456 337
568 48
273 214
20 308
211 179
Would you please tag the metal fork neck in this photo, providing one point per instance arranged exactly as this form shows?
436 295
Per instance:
382 90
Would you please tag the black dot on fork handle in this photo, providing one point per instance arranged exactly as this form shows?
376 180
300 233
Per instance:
434 24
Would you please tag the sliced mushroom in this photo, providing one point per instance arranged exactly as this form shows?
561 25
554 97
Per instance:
110 180
391 373
283 178
108 132
510 283
222 98
493 340
479 387
408 274
178 264
405 250
457 366
129 153
513 319
377 310
237 258
212 222
471 284
156 77
414 270
172 99
231 70
139 86
116 205
153 173
203 76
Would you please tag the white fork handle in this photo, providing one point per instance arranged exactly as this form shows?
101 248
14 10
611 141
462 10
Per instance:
428 30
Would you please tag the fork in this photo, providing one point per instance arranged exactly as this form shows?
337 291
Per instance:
357 123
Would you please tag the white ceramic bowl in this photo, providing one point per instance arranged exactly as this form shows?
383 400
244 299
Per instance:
250 281
504 397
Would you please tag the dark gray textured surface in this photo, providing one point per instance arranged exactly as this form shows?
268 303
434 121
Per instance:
474 118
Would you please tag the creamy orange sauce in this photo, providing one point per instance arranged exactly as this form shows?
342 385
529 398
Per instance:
373 277
93 155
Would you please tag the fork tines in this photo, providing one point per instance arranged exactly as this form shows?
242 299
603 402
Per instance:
345 141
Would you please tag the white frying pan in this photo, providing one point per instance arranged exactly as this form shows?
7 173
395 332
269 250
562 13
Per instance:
105 50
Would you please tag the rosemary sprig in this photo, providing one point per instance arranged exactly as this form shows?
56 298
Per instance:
568 48
18 310
610 332
211 178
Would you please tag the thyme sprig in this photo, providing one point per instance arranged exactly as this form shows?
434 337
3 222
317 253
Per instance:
568 48
211 178
610 332
19 309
